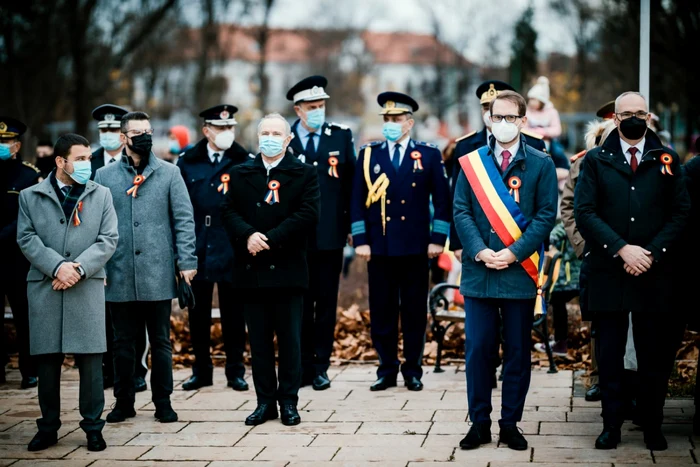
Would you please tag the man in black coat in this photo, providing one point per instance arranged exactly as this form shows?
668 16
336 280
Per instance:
270 214
206 168
631 205
329 148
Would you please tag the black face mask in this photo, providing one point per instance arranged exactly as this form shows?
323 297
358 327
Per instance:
142 145
633 128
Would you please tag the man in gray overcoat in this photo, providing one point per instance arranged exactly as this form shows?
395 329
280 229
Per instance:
156 236
67 229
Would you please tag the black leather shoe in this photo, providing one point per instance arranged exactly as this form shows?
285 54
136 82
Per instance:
165 414
413 383
196 382
321 382
593 394
42 440
238 384
609 438
261 414
120 413
95 441
28 382
654 439
289 415
383 383
139 384
511 436
478 434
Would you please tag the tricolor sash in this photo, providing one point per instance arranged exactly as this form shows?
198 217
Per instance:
503 213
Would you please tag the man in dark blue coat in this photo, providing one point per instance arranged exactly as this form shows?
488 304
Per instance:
500 262
394 184
206 169
329 148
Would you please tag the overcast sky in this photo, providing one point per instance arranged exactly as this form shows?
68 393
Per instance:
482 28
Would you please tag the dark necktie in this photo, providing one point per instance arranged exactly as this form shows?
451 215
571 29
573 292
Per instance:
506 160
396 159
112 160
633 158
216 158
311 147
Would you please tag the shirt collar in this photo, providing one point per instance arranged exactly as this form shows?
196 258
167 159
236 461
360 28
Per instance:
497 150
60 183
211 152
626 146
272 165
303 132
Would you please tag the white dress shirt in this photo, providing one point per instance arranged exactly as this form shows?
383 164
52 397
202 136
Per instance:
626 150
271 165
402 150
211 152
108 158
60 183
498 152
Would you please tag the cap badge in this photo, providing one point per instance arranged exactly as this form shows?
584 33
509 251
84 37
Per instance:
3 127
492 90
316 90
109 117
390 104
224 115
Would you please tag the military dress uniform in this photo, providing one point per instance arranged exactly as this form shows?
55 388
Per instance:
206 172
330 149
397 227
108 116
15 175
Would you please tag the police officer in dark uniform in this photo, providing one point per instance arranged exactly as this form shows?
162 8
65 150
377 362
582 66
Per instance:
391 227
328 147
206 169
15 175
109 118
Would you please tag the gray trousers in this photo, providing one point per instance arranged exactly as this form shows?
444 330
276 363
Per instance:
92 397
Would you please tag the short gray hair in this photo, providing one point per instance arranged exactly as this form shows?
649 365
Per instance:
275 115
629 93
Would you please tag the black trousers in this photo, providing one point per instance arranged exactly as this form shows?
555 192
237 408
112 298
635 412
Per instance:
141 368
320 309
15 289
560 315
128 320
656 340
398 286
92 397
232 329
269 312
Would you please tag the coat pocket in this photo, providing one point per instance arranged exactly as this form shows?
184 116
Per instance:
34 275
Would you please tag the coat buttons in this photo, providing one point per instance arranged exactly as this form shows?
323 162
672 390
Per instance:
403 201
315 163
493 231
247 266
632 188
138 252
67 254
403 218
388 201
388 219
272 267
663 250
632 219
605 246
63 221
413 184
136 224
211 184
258 204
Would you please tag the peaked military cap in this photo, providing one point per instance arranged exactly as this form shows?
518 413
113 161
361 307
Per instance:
220 115
396 103
109 115
309 89
488 90
606 111
11 128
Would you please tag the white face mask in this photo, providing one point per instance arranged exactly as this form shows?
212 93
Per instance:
224 140
487 119
505 132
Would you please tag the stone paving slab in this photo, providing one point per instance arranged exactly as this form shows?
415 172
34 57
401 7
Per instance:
347 425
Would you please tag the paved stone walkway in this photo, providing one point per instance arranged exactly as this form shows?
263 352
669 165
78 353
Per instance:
346 425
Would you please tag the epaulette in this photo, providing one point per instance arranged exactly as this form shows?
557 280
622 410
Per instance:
339 125
31 166
531 134
372 143
465 136
578 156
429 145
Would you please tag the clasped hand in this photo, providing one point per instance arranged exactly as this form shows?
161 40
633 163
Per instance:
498 261
257 243
637 259
67 276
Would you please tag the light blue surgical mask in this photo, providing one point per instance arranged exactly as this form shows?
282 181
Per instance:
5 153
270 146
174 147
316 118
82 170
110 141
392 131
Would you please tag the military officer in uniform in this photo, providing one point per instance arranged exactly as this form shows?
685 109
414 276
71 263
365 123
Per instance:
391 228
328 147
206 169
109 118
15 175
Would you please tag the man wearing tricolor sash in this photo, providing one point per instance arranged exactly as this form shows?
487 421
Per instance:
504 208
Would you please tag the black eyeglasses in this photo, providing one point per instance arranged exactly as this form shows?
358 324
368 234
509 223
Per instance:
625 115
133 133
508 118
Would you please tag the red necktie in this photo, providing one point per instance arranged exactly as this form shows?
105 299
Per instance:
506 160
633 159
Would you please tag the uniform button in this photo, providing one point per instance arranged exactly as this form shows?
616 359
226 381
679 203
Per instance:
138 252
136 224
413 184
193 179
388 219
632 219
403 201
664 250
388 201
493 231
632 188
315 163
272 267
211 184
605 246
258 204
67 254
247 266
208 246
403 218
63 221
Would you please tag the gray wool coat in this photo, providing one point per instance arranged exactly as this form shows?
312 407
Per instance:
73 320
156 230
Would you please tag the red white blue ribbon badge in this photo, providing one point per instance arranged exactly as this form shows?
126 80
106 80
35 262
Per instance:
666 161
417 164
273 195
76 214
514 184
225 178
333 169
138 180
